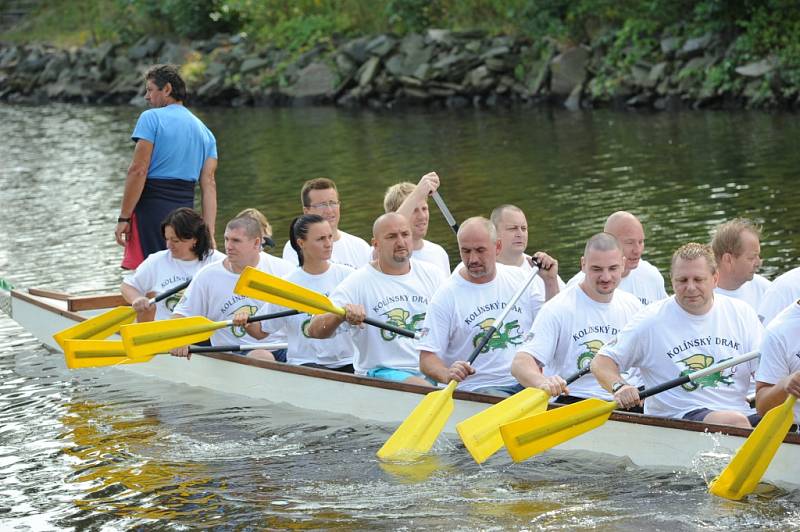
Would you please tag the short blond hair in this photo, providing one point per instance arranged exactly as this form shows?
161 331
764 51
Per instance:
258 216
727 236
694 251
396 195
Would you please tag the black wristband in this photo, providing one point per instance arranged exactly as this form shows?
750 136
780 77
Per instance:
121 219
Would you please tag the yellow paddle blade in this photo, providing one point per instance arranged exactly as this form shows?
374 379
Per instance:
96 353
532 435
417 433
152 337
481 432
750 463
265 287
97 327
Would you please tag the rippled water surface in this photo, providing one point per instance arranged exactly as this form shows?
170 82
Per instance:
103 449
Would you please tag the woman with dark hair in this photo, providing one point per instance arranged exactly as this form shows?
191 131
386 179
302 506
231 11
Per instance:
189 248
311 237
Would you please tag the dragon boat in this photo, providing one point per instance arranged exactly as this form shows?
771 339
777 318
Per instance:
647 440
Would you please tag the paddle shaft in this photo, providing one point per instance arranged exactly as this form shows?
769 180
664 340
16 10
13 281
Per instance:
499 321
171 292
445 211
390 328
243 347
698 374
578 374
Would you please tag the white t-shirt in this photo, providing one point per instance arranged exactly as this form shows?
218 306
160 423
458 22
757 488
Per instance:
780 349
332 352
461 312
348 250
751 292
160 271
783 291
644 281
664 342
433 253
537 286
401 300
571 328
210 294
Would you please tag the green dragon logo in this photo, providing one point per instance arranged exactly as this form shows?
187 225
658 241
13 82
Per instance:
401 318
239 332
509 334
696 363
592 347
172 301
304 327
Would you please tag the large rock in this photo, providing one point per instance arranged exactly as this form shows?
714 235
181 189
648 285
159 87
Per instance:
695 46
251 64
314 82
757 69
368 71
568 70
356 49
381 45
145 47
175 54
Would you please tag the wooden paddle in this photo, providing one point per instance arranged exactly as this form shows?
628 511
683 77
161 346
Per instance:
532 435
445 211
98 353
752 459
266 287
144 339
417 433
481 432
108 323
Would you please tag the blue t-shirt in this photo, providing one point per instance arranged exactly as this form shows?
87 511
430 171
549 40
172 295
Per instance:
181 142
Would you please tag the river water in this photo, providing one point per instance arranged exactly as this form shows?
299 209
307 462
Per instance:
106 450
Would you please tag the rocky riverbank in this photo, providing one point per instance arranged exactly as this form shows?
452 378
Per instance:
439 68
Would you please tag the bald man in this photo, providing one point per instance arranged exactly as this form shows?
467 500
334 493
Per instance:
639 277
466 306
393 287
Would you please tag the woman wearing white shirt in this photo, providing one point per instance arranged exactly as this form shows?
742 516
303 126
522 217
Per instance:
311 237
188 249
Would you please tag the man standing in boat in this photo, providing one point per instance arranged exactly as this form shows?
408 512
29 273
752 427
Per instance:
464 308
211 292
737 249
174 150
778 373
320 196
412 202
639 278
574 325
690 331
393 287
512 230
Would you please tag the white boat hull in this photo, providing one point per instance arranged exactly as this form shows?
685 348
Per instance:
646 440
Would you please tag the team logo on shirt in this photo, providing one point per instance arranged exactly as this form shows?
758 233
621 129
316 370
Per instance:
696 363
239 332
592 347
509 334
172 301
304 327
400 317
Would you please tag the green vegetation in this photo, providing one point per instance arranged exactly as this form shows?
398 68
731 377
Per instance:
626 33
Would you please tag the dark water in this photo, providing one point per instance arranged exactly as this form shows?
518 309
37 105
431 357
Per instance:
105 450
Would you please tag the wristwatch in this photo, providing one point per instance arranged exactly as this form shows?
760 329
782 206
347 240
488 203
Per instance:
617 385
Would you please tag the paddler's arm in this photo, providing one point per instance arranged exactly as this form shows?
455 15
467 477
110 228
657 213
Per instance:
526 370
428 184
433 367
548 271
606 371
253 329
208 193
134 184
769 396
324 325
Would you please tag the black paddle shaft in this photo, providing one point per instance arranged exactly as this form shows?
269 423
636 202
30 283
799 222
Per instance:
390 328
172 291
577 375
281 314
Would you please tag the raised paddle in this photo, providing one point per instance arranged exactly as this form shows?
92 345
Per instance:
481 432
151 337
98 353
532 435
107 323
419 431
752 459
266 287
445 211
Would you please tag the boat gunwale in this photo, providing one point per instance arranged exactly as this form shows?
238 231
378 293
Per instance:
624 417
